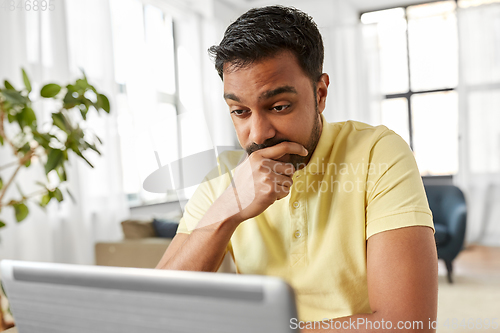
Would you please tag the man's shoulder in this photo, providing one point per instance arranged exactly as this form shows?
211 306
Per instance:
357 127
352 132
227 161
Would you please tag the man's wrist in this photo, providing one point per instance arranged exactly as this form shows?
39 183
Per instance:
224 211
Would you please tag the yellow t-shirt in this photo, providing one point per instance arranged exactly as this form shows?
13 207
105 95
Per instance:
361 180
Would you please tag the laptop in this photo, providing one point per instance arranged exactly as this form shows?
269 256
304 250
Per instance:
64 298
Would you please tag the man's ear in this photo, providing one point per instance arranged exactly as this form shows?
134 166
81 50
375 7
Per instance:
322 91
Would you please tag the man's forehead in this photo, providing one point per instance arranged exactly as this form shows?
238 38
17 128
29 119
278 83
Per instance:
264 76
278 62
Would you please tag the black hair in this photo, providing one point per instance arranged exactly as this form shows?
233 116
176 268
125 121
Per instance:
263 32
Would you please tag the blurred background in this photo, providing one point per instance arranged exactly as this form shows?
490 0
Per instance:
429 70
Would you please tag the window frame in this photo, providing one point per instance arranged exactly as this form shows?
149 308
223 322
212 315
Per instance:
408 95
136 200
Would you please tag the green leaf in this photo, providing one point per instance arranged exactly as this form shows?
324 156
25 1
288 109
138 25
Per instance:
41 184
60 121
27 83
29 116
103 102
81 85
87 102
93 147
20 119
73 145
83 112
61 172
1 140
98 139
8 85
69 101
21 211
83 73
25 148
28 163
71 88
1 183
43 138
83 157
19 190
14 97
58 195
53 160
11 118
45 200
71 196
50 90
2 224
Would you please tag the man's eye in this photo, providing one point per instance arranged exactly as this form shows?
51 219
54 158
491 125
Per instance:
281 107
238 112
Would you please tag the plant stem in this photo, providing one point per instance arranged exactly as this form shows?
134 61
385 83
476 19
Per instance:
26 197
2 130
8 165
4 190
22 161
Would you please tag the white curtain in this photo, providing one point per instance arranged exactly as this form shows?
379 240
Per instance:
52 46
350 54
479 94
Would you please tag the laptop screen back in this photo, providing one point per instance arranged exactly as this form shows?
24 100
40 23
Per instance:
49 298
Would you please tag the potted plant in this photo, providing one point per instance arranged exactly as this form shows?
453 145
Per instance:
49 145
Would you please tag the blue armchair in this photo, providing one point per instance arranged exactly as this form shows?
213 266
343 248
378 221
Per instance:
449 210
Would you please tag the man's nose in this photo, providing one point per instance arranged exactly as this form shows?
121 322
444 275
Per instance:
261 128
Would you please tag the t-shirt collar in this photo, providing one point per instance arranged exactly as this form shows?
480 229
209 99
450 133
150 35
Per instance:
321 154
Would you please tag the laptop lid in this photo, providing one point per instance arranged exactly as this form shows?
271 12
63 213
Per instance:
50 298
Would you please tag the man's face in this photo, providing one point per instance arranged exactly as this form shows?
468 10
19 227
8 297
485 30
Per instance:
272 101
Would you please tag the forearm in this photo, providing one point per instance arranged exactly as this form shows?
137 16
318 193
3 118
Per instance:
372 322
204 248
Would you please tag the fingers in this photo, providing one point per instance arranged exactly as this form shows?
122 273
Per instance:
276 187
277 167
283 192
281 149
282 180
282 187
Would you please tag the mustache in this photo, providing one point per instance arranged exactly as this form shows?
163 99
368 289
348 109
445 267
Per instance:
268 143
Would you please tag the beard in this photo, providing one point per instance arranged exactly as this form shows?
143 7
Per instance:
297 161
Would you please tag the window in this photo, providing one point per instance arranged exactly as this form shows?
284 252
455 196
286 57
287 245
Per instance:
147 99
473 3
418 47
480 86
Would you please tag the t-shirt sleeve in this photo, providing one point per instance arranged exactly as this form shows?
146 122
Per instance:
213 185
395 196
207 193
202 199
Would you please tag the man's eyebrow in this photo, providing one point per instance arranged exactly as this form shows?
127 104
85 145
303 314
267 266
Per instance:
265 95
281 90
231 96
